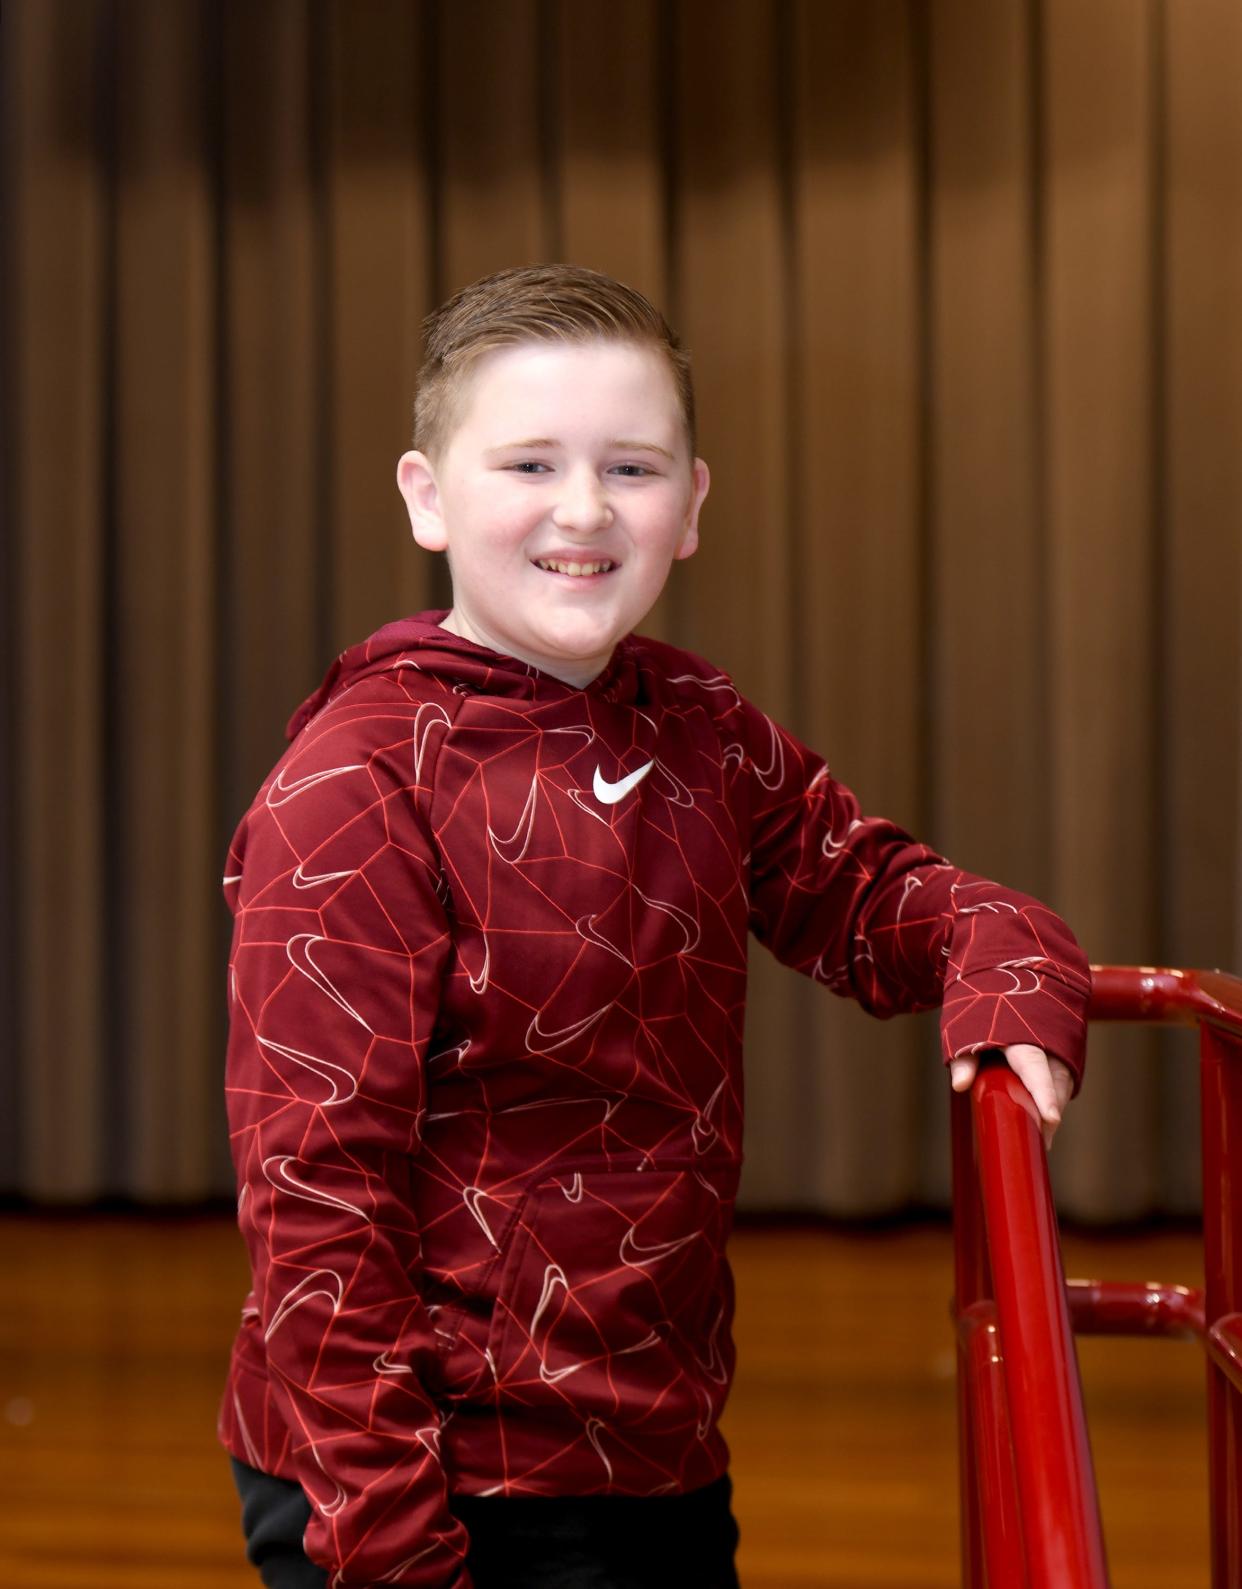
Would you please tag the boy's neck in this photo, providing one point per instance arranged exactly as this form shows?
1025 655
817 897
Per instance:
578 677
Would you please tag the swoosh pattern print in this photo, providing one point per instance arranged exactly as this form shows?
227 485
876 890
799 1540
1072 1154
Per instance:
484 1083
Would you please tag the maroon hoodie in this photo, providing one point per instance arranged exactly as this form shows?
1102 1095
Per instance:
484 1084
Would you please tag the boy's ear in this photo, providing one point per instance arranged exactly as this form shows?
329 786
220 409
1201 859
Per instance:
416 481
700 484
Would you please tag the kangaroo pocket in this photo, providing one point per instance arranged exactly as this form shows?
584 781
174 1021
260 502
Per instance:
613 1299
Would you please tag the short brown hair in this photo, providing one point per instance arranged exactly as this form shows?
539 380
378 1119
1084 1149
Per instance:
534 303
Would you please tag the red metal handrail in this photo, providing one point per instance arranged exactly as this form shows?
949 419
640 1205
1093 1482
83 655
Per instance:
1030 1514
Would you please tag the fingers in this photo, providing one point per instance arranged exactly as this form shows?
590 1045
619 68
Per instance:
1062 1080
1030 1065
962 1072
1033 1069
1049 1081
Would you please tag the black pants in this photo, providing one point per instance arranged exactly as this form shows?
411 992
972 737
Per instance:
529 1542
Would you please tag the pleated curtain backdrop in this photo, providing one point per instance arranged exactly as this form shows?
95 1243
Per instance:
961 281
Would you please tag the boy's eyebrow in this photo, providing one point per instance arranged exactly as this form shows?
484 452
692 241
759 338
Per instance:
545 444
531 444
641 446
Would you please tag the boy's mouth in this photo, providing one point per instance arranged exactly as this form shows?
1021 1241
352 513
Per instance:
556 565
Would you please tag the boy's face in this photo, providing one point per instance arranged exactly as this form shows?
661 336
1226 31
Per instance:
567 455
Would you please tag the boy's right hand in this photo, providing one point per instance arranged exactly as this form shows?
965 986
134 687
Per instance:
1049 1081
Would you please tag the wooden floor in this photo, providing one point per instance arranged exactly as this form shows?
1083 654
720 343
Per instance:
113 1337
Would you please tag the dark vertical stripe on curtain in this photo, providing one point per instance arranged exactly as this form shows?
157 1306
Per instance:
166 557
961 287
110 1121
1202 501
732 599
224 423
857 538
55 762
932 1167
985 697
10 1013
1098 282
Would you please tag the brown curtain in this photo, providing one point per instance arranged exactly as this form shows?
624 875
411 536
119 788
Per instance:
962 284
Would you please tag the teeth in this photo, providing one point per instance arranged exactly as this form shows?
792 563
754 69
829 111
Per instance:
553 566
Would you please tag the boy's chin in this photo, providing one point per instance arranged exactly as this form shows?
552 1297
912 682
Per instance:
577 635
564 656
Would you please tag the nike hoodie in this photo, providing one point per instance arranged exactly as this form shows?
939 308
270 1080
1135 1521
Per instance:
484 1077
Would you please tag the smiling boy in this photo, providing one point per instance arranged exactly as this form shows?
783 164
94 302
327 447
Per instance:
487 991
561 497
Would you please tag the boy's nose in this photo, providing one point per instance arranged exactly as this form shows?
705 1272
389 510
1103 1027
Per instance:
582 506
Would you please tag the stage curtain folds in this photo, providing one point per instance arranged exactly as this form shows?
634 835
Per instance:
961 286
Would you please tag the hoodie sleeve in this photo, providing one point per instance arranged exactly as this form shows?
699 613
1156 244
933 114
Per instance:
859 905
339 948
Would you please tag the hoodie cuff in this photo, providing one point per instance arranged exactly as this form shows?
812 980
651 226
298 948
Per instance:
996 1007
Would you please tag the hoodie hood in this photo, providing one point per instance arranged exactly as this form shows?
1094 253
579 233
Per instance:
419 642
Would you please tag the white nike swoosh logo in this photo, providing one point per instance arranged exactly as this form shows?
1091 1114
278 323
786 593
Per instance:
384 1364
688 923
479 984
551 1376
429 715
702 1131
298 949
513 849
290 791
553 1276
306 1290
586 929
593 1427
343 1083
609 793
470 1196
276 1169
718 682
634 1255
303 879
541 1042
773 775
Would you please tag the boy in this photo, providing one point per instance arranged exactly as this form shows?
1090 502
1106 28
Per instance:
487 988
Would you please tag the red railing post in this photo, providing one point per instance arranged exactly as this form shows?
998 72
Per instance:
1056 1484
1220 1069
970 1286
998 1516
1029 1511
1029 1518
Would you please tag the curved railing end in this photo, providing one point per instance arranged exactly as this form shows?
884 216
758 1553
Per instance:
1165 995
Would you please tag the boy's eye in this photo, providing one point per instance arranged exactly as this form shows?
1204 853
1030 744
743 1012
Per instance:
527 466
632 471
